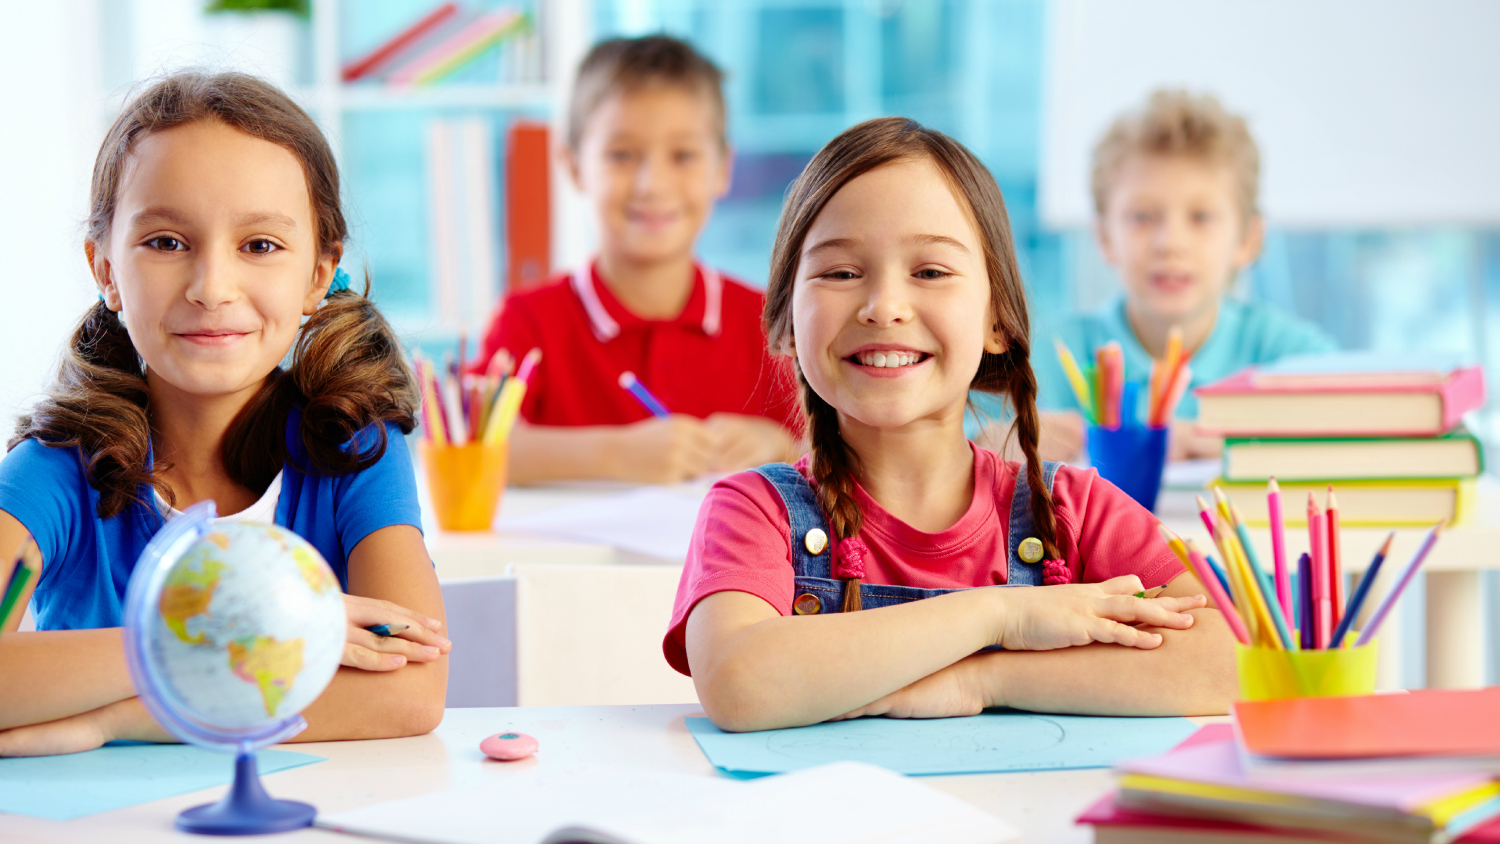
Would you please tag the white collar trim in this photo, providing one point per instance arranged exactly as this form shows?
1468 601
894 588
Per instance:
606 328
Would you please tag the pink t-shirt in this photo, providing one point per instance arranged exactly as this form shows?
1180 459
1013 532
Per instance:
742 541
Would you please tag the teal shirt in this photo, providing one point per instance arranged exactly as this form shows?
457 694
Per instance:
1244 334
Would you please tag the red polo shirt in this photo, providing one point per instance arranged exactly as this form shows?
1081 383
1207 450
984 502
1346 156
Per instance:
711 358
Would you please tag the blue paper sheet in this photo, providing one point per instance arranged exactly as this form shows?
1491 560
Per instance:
985 743
61 788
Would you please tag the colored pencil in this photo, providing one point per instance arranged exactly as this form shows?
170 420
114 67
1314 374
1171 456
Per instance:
1112 378
1239 590
1322 598
1218 571
508 404
386 631
1076 380
1206 516
1265 622
1335 563
1384 608
432 408
1198 565
1263 581
1304 601
1357 600
1163 377
633 385
1278 548
28 566
1174 395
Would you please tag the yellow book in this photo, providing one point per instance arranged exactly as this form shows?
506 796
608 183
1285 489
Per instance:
1404 503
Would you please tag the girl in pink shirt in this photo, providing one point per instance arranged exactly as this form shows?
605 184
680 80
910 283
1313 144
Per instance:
894 289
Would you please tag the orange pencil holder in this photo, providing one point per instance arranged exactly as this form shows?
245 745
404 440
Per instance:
466 482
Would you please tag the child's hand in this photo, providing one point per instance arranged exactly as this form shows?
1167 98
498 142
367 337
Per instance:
1187 444
665 450
747 441
419 642
125 719
1043 618
952 692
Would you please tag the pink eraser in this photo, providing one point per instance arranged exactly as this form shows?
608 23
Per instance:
508 747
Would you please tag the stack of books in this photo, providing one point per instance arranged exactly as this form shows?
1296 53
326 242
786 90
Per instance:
1418 768
1388 433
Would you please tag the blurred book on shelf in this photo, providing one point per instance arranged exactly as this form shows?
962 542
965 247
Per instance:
444 40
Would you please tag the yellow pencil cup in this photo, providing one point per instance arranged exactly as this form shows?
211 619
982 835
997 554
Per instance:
466 482
1267 673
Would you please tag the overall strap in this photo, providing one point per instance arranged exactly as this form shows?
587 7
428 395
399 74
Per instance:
809 533
1023 525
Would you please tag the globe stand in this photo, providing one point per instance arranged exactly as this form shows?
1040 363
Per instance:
247 809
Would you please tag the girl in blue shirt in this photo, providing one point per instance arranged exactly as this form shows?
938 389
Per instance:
214 236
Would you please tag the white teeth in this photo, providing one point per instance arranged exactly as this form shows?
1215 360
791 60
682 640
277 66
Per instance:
889 360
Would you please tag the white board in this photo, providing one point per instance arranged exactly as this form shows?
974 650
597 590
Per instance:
1368 112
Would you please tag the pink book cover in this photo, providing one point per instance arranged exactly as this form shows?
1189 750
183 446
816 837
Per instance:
1219 764
1462 391
1104 812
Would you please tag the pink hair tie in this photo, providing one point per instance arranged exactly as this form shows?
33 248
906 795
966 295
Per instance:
1056 573
851 560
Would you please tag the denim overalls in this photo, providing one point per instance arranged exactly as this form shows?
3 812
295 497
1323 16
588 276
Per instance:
817 590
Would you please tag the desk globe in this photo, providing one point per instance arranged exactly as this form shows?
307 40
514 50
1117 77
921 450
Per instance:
231 630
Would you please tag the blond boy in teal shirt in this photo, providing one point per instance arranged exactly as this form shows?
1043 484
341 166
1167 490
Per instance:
1175 189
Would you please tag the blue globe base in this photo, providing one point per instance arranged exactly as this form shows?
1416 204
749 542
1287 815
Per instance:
247 809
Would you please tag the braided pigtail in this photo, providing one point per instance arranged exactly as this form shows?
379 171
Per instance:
1027 431
833 468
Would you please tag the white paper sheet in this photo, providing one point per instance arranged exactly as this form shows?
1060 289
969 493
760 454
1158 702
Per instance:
873 806
654 521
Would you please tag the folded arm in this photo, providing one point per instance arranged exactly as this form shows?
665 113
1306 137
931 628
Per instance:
755 669
76 691
1192 673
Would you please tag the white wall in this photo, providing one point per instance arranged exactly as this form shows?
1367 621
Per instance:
1368 112
50 128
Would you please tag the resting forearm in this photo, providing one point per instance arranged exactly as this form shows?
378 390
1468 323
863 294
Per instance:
1191 673
379 704
57 673
542 453
790 671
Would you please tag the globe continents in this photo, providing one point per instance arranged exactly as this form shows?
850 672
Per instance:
248 626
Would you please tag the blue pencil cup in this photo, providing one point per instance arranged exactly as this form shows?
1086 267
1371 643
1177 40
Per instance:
1132 458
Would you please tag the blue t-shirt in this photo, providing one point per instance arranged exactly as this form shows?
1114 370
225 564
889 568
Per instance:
86 560
1244 334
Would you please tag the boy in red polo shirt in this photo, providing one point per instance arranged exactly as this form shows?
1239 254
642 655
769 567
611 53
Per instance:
646 143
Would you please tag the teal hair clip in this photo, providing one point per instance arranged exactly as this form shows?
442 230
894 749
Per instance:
340 281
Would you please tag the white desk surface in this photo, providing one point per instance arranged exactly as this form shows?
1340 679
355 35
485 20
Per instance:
361 773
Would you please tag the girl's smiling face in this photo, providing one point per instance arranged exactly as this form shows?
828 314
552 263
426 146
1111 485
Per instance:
891 311
212 258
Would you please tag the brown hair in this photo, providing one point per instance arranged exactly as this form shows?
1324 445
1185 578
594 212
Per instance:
622 65
1177 123
347 370
857 151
